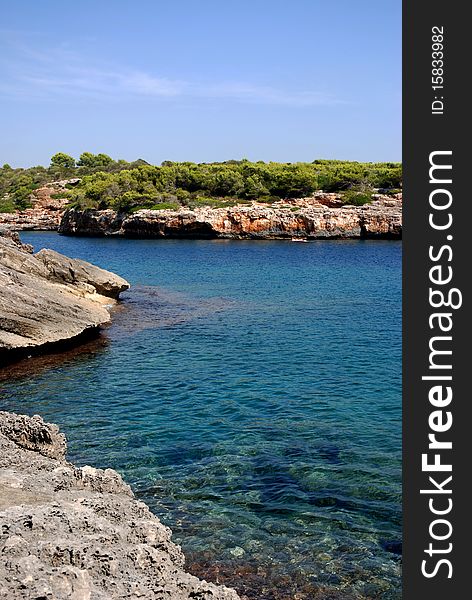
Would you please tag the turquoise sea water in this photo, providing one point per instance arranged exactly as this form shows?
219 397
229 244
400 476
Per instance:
250 392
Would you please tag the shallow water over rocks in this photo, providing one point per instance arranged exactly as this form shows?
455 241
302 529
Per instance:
250 394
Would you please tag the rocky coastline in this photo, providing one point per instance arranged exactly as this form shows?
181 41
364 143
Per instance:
47 298
79 533
320 216
306 218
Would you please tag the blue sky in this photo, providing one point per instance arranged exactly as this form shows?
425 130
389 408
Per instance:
201 81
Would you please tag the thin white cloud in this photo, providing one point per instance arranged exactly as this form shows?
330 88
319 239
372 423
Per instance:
80 82
266 94
58 72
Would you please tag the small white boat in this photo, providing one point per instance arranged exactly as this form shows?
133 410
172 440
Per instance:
298 239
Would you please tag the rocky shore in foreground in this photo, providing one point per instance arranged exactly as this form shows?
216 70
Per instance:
47 298
306 218
79 533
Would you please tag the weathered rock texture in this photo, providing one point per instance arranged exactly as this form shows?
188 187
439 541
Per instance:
45 213
308 218
47 298
79 533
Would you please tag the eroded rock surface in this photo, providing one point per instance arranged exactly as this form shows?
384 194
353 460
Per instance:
47 298
319 216
310 218
79 533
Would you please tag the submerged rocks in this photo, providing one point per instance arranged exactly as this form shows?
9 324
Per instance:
47 298
311 218
79 533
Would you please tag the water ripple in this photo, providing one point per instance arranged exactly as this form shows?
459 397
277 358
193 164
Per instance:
250 393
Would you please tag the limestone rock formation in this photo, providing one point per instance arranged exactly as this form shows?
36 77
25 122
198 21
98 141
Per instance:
74 271
47 298
79 533
309 218
32 433
46 209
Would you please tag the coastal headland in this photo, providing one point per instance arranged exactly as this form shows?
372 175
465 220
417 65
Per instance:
235 199
320 216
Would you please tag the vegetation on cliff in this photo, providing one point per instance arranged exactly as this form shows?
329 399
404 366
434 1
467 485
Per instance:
123 186
17 185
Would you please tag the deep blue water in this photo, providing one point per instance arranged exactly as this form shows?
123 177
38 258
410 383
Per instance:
251 394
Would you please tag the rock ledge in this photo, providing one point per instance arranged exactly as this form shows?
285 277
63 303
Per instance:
79 533
47 298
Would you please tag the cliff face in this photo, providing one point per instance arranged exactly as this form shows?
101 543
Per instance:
382 218
79 533
320 216
47 298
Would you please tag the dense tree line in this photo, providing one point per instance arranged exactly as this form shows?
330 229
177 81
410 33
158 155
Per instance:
17 185
106 183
